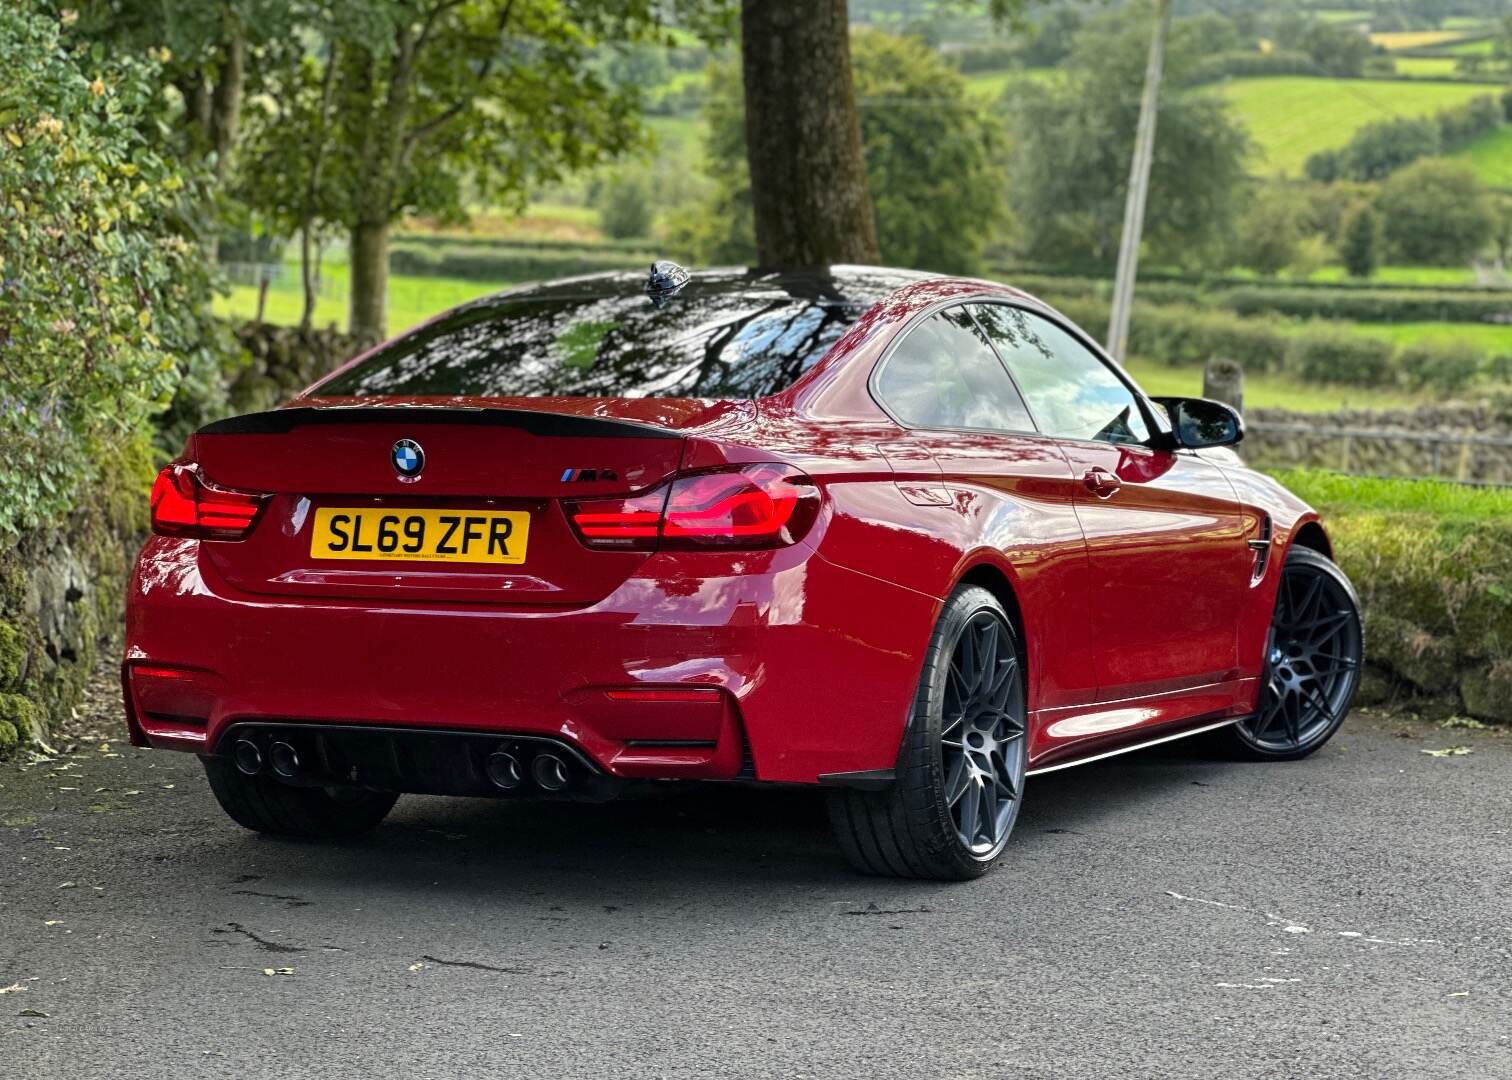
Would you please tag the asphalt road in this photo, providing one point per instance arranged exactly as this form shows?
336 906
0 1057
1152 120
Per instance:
1156 915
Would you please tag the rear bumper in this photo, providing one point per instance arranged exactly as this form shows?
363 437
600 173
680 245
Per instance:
800 667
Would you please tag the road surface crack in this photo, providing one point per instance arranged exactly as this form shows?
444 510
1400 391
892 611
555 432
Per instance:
262 943
477 965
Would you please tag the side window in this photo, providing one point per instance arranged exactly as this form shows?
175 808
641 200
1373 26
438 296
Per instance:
945 375
1071 391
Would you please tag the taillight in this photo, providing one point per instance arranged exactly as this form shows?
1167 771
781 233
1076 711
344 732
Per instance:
754 506
184 503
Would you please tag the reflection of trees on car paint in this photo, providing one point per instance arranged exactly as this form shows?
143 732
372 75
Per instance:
732 336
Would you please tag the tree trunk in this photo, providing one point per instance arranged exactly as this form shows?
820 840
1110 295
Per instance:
803 136
310 278
306 276
367 312
226 101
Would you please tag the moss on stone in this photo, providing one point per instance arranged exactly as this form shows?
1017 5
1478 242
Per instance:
12 656
9 738
1487 691
23 715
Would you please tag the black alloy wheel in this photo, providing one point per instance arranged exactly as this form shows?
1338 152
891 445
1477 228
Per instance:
959 777
1312 661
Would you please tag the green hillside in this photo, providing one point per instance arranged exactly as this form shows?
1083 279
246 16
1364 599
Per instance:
1491 155
1293 117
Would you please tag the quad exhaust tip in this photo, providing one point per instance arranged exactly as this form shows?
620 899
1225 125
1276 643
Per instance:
284 759
504 770
249 759
550 772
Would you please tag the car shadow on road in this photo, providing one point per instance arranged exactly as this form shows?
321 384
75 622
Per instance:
711 836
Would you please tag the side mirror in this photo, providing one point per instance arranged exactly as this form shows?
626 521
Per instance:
1198 423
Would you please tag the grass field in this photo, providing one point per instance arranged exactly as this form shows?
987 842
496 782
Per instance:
1491 157
1264 390
1483 47
1342 15
1428 67
1439 276
1293 117
1440 498
988 86
1415 39
1491 337
412 300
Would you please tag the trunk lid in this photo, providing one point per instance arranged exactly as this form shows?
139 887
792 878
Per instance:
480 462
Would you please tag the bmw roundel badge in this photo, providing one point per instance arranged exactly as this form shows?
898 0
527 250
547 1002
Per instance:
408 459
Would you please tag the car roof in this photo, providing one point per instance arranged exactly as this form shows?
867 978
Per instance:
841 284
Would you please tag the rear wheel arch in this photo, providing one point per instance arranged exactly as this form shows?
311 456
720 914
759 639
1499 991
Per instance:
995 580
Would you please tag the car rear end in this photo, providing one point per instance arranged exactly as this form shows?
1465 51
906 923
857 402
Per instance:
443 588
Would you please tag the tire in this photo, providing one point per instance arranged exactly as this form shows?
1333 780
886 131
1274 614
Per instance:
966 740
1313 656
265 805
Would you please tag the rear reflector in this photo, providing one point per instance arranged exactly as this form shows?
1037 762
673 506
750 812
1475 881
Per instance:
175 696
184 503
753 506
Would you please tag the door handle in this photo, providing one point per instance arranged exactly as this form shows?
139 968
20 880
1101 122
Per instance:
1101 483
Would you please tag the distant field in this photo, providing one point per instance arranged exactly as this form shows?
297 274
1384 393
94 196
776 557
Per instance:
1341 15
1439 276
1428 67
1491 157
989 85
1472 48
412 300
1487 336
1293 117
1415 39
1264 390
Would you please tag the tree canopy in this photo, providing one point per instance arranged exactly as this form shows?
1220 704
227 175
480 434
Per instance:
1072 140
104 294
932 161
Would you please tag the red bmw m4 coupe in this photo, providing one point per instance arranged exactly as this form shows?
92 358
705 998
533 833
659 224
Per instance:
912 538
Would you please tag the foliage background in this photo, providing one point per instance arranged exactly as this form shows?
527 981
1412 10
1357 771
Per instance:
104 306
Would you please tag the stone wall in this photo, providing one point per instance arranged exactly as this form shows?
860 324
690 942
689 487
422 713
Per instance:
282 361
62 587
1428 441
61 593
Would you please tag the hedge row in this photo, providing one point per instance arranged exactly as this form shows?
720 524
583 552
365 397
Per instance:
511 244
1320 353
1351 304
1435 584
506 265
1246 65
1377 305
1016 272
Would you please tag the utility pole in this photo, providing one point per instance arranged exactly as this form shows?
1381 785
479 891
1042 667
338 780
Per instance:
1139 187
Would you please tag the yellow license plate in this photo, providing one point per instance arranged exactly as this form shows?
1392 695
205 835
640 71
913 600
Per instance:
473 536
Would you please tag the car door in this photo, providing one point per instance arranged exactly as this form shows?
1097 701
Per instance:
1167 559
1005 487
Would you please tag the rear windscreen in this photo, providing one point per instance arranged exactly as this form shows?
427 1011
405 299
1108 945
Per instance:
710 340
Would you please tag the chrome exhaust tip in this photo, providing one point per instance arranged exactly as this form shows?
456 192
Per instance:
503 770
284 759
550 772
248 758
